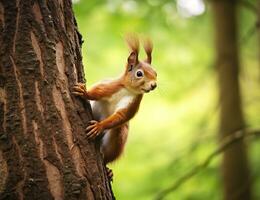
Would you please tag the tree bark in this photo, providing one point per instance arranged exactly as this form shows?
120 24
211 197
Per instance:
235 169
43 151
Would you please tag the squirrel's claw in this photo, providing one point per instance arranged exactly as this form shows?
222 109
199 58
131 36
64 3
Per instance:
79 89
92 122
94 129
80 84
78 94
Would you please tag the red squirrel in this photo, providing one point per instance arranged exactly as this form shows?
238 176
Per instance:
115 102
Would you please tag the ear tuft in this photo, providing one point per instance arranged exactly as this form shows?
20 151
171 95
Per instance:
148 47
132 42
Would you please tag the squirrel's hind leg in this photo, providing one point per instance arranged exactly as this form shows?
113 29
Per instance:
113 142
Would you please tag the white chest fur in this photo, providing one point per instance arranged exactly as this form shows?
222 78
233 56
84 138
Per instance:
110 105
121 99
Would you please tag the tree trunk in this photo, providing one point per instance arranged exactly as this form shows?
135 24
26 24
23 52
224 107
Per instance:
235 170
43 151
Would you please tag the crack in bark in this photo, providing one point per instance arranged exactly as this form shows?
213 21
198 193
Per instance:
57 150
37 50
53 173
68 19
21 100
60 7
17 22
61 64
74 150
47 20
20 184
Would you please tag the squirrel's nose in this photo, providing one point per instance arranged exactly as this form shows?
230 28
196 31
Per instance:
153 86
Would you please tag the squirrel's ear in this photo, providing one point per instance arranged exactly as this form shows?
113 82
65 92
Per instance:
132 61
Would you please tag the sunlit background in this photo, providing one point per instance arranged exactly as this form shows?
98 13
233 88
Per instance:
177 125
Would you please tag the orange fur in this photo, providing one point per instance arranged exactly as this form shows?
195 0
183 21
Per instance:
123 115
103 90
116 102
149 72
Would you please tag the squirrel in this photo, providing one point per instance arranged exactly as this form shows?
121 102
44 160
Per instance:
115 102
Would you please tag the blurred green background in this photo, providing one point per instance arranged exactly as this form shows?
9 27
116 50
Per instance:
177 125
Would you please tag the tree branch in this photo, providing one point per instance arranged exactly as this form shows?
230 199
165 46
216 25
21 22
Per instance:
224 144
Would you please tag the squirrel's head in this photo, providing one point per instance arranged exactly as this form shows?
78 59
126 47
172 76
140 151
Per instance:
139 76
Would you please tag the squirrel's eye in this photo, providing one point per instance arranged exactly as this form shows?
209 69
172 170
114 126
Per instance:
139 74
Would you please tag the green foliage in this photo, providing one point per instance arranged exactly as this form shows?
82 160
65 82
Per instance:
176 127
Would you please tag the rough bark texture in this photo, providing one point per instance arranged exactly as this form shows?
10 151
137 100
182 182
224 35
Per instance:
236 177
43 151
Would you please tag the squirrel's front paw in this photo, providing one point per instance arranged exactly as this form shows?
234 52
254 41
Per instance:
80 89
94 129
